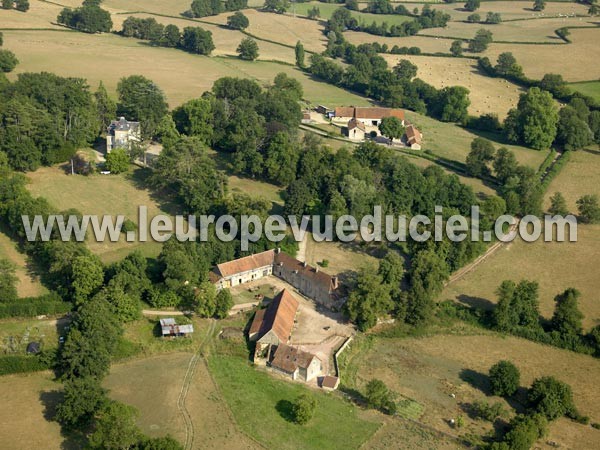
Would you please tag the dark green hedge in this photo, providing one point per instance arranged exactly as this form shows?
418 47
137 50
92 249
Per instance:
49 304
22 364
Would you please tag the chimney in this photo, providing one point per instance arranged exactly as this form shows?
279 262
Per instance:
317 268
334 281
305 264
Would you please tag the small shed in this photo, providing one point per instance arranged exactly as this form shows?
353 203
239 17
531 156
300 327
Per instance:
170 328
33 348
330 383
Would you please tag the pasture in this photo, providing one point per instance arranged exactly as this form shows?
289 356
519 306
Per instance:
565 264
453 142
29 284
99 195
327 9
487 95
591 88
429 369
261 403
40 15
28 403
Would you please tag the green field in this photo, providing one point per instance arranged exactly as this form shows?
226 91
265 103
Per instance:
591 88
29 282
260 404
327 9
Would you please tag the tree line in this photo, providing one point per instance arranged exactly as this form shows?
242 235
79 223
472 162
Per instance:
204 8
88 18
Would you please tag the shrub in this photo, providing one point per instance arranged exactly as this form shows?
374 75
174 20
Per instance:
304 409
22 364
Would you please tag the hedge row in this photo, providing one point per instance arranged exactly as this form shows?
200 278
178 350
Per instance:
555 169
22 364
49 304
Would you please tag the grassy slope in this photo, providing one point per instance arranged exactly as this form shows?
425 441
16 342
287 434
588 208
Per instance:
259 402
591 88
29 284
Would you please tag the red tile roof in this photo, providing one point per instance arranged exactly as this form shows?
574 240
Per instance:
344 111
353 123
368 112
330 382
289 358
246 263
413 136
278 317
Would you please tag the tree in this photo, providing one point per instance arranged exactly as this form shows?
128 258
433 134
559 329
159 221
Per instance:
106 107
555 84
194 118
248 49
573 132
171 37
524 431
505 378
82 398
474 18
22 5
428 272
88 19
539 5
391 127
589 209
481 41
493 18
452 104
197 40
507 65
224 303
594 10
303 409
552 398
564 33
206 299
314 13
405 70
203 8
558 205
277 6
505 164
234 5
472 5
160 443
7 4
238 21
369 300
117 161
88 276
481 154
299 50
567 317
456 48
378 396
115 427
518 306
142 100
534 121
8 61
594 123
8 281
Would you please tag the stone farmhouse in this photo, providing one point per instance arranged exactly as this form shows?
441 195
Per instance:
271 330
310 281
369 117
122 134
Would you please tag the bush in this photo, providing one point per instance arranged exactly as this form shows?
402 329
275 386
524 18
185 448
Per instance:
489 412
304 409
505 378
552 398
128 225
8 61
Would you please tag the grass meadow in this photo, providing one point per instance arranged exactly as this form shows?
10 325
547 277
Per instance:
29 284
591 88
261 406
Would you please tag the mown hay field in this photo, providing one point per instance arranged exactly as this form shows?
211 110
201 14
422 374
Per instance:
181 75
172 7
538 60
487 95
429 369
426 44
281 28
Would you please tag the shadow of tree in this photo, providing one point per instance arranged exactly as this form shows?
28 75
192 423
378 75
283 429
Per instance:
285 408
50 400
476 379
476 302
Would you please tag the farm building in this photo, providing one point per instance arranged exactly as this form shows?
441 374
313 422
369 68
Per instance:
296 363
306 117
170 328
122 134
413 137
356 130
330 383
370 116
273 325
310 281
